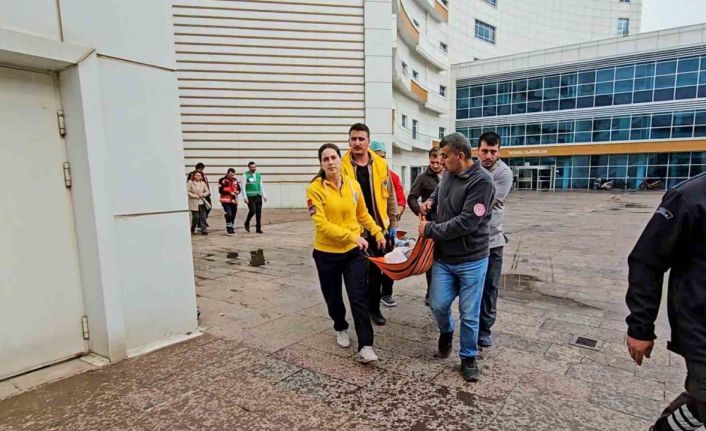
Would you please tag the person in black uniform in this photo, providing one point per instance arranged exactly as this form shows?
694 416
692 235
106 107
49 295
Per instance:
674 239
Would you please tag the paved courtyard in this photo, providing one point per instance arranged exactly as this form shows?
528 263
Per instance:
268 358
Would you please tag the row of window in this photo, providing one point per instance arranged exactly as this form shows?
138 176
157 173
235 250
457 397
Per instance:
486 32
627 171
675 79
415 76
670 125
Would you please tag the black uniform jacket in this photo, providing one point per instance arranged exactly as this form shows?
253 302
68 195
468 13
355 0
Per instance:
675 238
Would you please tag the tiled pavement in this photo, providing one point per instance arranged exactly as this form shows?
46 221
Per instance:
268 359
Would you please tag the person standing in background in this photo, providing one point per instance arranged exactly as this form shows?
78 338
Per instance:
423 187
373 175
229 189
200 168
254 195
489 155
386 290
197 191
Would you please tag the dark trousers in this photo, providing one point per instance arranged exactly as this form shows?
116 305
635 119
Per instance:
254 209
231 210
351 268
379 284
198 218
688 410
489 302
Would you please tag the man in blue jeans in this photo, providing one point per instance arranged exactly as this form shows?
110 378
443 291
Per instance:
462 202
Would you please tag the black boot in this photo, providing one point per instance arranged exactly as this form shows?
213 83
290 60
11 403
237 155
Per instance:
445 344
469 369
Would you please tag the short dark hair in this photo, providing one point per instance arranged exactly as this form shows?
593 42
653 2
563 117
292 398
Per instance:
251 163
230 170
490 138
458 143
199 165
359 127
434 152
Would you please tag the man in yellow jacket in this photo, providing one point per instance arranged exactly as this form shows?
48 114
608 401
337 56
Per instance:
372 173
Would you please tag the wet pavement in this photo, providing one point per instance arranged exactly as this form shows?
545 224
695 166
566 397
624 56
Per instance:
268 359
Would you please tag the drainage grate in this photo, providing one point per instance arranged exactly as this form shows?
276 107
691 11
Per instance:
585 342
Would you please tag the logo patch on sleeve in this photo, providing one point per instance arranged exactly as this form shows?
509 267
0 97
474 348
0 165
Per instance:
312 208
664 212
479 209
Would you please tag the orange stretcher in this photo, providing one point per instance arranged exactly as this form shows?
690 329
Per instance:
418 263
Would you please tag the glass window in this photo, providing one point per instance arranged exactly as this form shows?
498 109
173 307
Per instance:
534 95
621 123
587 76
534 129
607 74
660 133
703 62
519 85
682 131
663 94
551 81
475 112
550 105
644 70
618 160
623 86
534 107
584 125
657 158
534 84
622 99
586 90
461 113
661 120
666 67
623 26
519 97
642 96
476 102
690 64
604 88
625 72
685 79
601 124
700 117
683 118
565 127
476 91
664 81
550 127
462 92
485 31
644 83
489 89
551 93
640 121
505 87
568 79
604 100
567 104
519 108
620 135
639 134
584 102
567 92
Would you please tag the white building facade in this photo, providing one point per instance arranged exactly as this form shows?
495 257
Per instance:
96 253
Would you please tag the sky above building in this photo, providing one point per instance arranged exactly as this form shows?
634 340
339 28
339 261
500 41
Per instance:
661 14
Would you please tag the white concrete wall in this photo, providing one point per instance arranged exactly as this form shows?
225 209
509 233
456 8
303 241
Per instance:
124 143
523 26
272 82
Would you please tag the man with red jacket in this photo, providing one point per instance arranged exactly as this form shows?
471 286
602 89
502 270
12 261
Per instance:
379 148
229 189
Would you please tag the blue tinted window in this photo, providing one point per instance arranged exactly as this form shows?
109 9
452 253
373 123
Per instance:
490 89
519 85
551 81
685 93
664 81
621 123
476 91
505 87
584 125
622 99
623 86
534 84
601 124
462 92
607 74
640 121
700 117
644 70
661 120
703 62
665 67
688 64
587 77
586 90
683 118
462 103
604 88
568 79
644 84
625 72
685 79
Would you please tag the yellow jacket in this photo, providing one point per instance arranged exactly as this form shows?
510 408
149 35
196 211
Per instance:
385 201
338 215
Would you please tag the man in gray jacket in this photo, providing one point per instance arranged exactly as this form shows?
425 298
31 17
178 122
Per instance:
489 155
460 232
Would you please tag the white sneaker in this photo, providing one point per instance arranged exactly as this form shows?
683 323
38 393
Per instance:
343 339
367 354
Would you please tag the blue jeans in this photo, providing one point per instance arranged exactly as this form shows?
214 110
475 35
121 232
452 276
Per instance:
466 281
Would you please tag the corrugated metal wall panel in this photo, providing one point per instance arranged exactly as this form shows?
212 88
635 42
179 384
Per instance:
268 81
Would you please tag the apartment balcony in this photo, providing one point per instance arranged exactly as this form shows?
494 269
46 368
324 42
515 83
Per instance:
436 8
407 139
408 31
432 52
403 81
437 103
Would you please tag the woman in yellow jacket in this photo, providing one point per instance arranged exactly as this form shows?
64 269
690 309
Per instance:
337 208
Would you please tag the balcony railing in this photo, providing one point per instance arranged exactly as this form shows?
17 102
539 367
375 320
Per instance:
437 103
